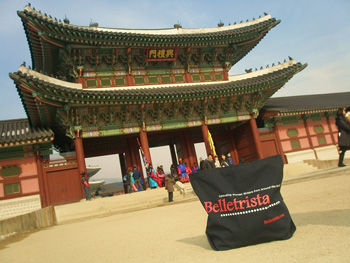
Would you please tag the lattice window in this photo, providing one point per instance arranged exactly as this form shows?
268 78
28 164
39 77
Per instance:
207 77
119 81
219 76
106 82
140 80
153 80
196 77
12 188
292 132
91 83
295 144
179 78
166 79
321 140
318 128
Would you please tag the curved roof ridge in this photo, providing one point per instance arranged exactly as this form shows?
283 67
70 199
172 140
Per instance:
166 31
262 71
52 80
232 78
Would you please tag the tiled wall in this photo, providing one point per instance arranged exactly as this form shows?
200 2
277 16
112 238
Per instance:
19 206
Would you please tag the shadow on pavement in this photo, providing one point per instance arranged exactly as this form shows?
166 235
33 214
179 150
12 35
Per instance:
200 241
327 218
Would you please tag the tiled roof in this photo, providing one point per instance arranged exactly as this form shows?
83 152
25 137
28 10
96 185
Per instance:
149 94
169 33
46 36
18 132
308 102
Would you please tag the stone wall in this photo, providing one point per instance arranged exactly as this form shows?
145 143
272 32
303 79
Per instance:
19 206
38 219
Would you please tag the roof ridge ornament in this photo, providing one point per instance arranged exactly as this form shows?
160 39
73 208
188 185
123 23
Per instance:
93 24
178 25
66 20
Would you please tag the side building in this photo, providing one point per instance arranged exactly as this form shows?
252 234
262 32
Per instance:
302 127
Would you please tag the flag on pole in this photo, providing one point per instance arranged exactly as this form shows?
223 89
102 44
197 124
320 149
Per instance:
144 158
211 143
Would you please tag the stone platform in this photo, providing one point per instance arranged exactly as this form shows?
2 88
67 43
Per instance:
101 207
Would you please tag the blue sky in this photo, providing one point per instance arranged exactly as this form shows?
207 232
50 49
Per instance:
313 32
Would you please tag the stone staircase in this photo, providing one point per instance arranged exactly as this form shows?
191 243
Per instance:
100 207
298 168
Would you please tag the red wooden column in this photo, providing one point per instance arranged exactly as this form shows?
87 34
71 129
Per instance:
79 150
128 159
190 149
205 138
139 165
254 129
131 152
123 169
43 191
233 149
185 154
145 146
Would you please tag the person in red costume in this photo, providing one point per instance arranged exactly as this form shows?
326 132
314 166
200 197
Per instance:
181 171
153 177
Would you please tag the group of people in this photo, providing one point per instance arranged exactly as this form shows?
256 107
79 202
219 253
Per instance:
211 163
343 123
180 172
133 180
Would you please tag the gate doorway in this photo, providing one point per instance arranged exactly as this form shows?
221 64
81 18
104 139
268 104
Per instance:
64 186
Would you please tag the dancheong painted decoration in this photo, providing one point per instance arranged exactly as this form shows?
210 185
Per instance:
110 82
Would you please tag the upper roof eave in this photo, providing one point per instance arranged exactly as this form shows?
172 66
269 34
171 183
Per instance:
29 11
32 74
206 89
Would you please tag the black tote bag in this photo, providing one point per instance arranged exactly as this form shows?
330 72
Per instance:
244 203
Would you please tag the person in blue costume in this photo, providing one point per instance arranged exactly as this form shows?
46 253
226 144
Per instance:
195 168
181 171
152 176
137 176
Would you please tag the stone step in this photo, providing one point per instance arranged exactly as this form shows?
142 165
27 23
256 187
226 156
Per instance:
298 168
100 207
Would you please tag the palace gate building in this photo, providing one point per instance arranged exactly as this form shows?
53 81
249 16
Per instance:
94 91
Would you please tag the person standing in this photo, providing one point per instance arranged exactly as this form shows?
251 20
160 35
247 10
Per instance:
161 175
347 114
174 172
201 164
169 186
343 135
224 162
86 187
137 175
152 176
181 171
209 162
230 159
195 168
128 182
132 181
217 162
